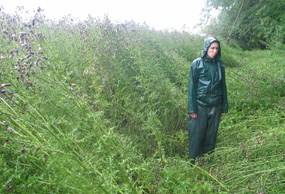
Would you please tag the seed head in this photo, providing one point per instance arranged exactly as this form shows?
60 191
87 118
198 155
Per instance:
10 187
6 141
4 85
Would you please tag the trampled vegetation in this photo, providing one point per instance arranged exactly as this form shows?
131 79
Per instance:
94 107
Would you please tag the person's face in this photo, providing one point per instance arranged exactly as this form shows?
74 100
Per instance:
213 50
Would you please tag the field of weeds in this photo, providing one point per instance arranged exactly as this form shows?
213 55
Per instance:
94 107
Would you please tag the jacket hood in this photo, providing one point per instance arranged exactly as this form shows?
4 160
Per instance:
207 42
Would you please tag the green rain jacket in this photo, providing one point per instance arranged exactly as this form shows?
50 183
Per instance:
207 84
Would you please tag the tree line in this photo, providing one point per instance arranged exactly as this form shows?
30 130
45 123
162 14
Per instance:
252 24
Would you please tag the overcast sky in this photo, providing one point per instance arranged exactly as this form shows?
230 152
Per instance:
160 14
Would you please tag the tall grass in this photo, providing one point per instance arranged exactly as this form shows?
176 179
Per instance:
94 107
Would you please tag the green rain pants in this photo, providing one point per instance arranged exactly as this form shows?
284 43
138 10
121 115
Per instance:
203 131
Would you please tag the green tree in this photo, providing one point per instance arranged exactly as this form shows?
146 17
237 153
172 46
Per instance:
251 23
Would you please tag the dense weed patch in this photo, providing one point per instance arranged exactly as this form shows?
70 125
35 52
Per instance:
94 107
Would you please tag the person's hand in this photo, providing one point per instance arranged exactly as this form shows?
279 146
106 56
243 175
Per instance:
193 115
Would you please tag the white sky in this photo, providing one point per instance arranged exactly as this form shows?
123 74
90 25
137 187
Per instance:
160 14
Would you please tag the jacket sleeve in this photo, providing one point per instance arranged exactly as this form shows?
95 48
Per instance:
224 91
192 85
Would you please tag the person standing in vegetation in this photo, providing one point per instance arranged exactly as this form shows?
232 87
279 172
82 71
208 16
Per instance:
207 99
